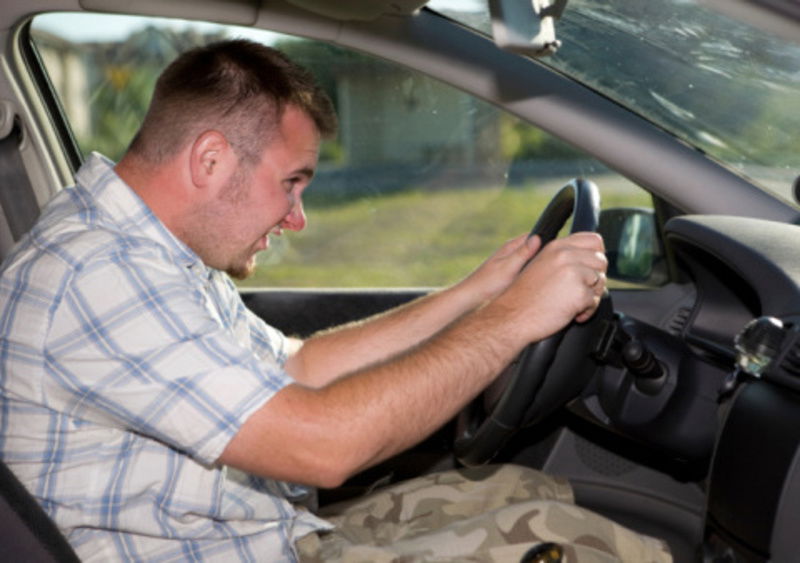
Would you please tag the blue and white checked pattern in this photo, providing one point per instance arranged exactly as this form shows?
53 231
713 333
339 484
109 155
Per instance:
126 366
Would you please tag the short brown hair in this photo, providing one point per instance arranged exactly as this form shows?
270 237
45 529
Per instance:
238 87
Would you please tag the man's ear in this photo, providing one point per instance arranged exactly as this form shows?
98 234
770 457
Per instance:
211 161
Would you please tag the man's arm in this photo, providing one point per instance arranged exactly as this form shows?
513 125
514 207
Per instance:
331 354
321 436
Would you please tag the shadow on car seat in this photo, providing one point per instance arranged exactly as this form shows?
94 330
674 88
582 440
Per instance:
26 532
17 198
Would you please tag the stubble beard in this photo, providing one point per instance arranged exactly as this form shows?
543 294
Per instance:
243 271
205 240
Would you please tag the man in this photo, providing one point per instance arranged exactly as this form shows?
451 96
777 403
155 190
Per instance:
156 418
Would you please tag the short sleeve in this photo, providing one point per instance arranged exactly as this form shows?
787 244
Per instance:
139 342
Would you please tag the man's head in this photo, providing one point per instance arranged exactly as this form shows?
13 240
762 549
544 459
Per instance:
228 145
239 88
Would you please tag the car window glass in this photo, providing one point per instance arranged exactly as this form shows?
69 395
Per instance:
422 182
725 87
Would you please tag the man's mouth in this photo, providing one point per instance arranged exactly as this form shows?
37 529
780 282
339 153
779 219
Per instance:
263 242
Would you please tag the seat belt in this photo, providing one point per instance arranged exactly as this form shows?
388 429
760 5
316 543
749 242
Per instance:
16 192
26 531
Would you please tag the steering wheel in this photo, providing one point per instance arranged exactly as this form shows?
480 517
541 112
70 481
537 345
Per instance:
548 373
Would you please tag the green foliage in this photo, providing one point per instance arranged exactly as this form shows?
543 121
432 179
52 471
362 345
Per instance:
122 98
121 81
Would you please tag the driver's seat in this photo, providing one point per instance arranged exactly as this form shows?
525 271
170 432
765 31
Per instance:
26 532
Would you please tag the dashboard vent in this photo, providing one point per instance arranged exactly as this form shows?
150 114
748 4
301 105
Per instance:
678 321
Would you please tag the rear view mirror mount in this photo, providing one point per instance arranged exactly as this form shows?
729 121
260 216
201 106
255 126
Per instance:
526 26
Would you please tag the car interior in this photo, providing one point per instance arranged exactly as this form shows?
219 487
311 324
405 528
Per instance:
674 411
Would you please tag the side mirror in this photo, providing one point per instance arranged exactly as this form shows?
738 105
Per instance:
634 250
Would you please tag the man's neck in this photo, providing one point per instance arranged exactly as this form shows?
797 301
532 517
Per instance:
159 186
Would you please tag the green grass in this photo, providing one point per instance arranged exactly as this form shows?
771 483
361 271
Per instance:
410 239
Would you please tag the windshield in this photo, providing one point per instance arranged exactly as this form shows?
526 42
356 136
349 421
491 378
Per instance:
726 88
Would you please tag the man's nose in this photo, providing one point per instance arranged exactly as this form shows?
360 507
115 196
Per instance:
296 219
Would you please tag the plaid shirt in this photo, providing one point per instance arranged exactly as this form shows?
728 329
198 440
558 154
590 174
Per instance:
126 366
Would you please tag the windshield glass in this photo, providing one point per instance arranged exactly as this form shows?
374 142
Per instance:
726 88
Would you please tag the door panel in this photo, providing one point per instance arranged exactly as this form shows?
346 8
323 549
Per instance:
304 312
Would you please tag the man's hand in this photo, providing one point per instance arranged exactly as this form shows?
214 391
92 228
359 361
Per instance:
494 276
564 282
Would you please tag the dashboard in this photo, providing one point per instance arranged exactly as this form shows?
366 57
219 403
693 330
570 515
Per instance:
731 271
742 268
745 436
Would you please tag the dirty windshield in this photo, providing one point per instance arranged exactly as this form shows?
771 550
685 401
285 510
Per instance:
727 88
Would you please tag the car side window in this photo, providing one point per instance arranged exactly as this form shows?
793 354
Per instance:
421 183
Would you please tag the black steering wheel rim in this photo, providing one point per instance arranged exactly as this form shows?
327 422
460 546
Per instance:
513 396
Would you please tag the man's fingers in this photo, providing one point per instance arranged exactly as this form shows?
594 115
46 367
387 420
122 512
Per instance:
533 244
585 238
520 244
596 288
596 279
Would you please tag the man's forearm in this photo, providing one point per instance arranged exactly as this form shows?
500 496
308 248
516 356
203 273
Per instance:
334 353
331 354
322 436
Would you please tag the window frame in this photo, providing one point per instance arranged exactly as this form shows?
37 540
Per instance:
73 152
